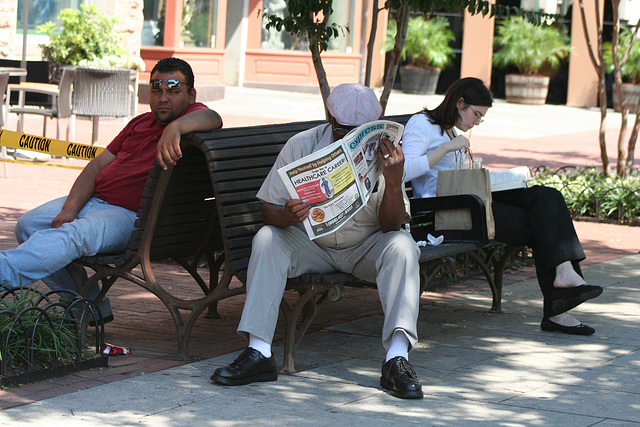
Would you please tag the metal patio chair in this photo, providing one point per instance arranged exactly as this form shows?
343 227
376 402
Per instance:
60 102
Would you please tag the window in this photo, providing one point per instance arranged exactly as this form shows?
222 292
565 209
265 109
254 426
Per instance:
153 25
41 11
199 23
274 40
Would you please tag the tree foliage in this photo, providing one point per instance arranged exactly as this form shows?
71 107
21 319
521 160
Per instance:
474 7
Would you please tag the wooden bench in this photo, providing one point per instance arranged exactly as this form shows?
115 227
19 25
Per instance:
239 160
203 214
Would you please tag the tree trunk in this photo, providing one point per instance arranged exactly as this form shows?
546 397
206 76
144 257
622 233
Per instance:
632 142
617 77
321 74
598 64
631 147
402 16
370 44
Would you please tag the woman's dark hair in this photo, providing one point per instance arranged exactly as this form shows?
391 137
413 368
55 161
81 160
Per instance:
472 90
168 65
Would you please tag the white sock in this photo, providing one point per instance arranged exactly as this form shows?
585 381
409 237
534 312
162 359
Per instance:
399 346
262 346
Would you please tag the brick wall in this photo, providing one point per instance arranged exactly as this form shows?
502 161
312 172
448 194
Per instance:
130 20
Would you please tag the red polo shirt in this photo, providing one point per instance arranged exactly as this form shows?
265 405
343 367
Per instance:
122 181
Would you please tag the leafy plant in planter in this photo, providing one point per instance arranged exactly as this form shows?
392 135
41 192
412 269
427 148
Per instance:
630 70
41 334
427 47
529 47
86 38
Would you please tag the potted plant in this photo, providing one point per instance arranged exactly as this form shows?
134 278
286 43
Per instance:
427 47
529 47
86 38
630 70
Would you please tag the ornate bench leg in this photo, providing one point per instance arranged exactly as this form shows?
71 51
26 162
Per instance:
306 307
289 338
212 311
493 278
499 264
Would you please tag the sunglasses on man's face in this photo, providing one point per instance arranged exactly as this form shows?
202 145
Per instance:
171 83
342 130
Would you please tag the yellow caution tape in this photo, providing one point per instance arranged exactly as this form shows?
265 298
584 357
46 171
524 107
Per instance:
55 147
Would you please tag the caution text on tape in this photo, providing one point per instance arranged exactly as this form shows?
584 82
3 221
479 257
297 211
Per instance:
55 147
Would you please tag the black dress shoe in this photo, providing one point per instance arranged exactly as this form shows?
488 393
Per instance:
564 299
399 377
551 326
251 366
105 320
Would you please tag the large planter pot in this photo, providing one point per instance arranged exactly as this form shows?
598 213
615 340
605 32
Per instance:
422 81
526 89
630 93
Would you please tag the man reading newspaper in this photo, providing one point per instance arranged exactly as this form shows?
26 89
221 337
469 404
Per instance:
336 181
371 246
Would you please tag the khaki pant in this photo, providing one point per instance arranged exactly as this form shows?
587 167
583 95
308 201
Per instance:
388 259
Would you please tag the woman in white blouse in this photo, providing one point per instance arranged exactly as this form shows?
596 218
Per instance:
537 217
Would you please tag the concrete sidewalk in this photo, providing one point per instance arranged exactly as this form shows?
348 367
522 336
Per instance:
476 369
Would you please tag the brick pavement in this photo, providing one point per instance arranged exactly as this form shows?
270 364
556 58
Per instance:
154 347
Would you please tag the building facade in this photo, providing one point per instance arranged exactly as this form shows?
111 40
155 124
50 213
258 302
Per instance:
227 44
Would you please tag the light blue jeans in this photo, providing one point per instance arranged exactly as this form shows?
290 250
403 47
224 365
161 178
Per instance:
44 251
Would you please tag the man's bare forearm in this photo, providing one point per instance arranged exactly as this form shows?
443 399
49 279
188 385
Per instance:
82 189
292 213
168 149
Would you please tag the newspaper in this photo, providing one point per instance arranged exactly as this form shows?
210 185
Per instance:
508 179
338 180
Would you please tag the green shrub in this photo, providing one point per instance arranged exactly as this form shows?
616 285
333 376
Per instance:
590 193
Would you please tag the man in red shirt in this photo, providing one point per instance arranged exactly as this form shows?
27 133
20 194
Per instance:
99 213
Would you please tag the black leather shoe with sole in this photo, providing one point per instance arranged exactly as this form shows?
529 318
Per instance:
400 379
564 299
250 367
551 326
